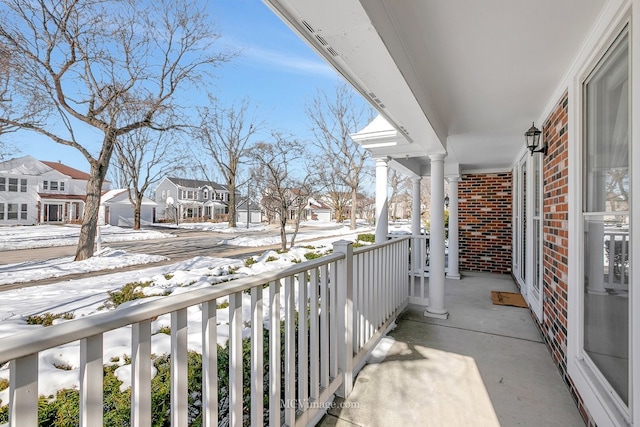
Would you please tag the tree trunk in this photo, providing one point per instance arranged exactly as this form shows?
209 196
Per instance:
232 204
283 232
90 216
137 207
354 205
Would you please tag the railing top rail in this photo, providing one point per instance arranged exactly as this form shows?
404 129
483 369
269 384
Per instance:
30 342
375 246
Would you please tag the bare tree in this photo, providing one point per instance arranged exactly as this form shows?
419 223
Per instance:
225 134
337 194
333 119
87 65
285 195
142 158
400 184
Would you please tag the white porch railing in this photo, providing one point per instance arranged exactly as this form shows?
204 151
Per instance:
350 296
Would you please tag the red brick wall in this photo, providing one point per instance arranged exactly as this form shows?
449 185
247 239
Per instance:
556 244
485 222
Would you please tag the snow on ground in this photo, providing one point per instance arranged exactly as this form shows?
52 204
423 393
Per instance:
44 236
106 259
337 232
220 227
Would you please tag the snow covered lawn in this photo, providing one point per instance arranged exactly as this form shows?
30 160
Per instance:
45 236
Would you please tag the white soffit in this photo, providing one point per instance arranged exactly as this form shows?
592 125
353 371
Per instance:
468 76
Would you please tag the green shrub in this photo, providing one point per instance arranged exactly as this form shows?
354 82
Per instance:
312 255
4 384
271 258
46 319
249 262
129 292
223 304
367 237
168 276
165 330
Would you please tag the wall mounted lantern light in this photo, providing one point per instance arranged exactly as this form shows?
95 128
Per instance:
532 138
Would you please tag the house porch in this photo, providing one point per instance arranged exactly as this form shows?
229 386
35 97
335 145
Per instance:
486 364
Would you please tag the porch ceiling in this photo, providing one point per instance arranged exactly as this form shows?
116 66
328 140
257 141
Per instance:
463 76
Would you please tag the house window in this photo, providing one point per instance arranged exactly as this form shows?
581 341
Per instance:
3 184
23 185
1 211
45 185
606 188
23 211
53 185
205 194
12 211
61 186
13 184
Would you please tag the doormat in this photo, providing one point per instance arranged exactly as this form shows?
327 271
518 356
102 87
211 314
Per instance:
508 298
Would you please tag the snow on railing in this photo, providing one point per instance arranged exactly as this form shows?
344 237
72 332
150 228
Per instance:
350 298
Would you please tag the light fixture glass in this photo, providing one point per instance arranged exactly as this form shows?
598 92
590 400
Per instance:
532 139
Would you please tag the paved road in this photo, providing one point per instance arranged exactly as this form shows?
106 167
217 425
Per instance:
187 244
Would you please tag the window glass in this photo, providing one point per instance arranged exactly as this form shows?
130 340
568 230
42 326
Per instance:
23 211
53 185
12 211
606 189
13 184
1 211
45 185
23 185
61 186
3 184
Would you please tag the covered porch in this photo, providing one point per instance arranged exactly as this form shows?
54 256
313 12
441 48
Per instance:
486 365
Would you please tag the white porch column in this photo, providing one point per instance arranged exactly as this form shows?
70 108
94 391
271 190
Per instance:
436 240
415 206
453 229
382 216
416 246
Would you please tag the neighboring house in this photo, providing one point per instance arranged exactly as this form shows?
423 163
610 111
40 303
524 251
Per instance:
117 209
400 207
191 199
317 211
35 192
346 201
255 213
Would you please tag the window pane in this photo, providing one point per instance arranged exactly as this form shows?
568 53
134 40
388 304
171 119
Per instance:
53 185
62 186
3 183
1 210
12 211
23 211
23 185
607 132
606 236
13 184
606 298
45 185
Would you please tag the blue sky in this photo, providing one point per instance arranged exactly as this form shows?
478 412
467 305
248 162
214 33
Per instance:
276 70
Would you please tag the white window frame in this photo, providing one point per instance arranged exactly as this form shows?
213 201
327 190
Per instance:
13 183
15 212
600 404
23 185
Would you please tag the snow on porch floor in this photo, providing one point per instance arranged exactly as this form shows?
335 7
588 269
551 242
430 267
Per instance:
486 365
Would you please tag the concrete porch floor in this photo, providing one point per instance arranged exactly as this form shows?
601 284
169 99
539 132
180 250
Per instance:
486 365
